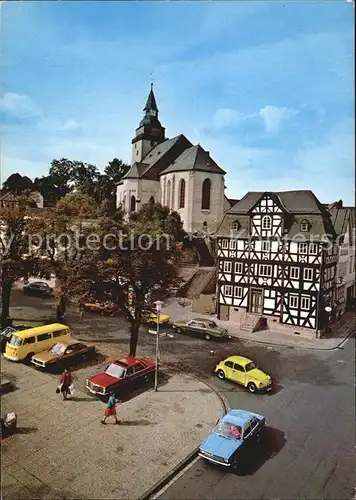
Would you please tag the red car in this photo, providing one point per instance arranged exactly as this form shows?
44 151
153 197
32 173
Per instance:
120 374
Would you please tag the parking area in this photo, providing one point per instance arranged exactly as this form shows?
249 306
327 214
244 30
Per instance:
61 450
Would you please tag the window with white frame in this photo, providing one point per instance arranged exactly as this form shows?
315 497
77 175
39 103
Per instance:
293 301
303 247
313 248
232 244
304 226
305 303
225 244
266 246
239 267
228 290
238 292
235 225
267 222
265 270
308 274
294 273
227 266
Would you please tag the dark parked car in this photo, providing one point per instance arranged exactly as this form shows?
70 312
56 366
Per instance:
38 289
202 328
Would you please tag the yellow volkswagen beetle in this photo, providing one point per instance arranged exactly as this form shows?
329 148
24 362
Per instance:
245 372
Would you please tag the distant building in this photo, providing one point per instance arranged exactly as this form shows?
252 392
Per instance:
9 199
279 257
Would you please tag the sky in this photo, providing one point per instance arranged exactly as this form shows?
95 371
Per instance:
266 87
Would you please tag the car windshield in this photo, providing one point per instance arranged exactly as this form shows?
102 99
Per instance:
15 340
229 430
58 349
250 366
115 370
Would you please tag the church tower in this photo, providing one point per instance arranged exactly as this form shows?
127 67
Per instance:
149 132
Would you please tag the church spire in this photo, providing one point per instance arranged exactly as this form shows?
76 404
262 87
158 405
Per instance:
151 102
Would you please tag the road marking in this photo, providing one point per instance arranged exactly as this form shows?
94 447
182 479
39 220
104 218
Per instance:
172 481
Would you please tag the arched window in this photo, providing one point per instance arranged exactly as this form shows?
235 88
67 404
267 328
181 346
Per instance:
205 199
304 226
181 202
168 200
132 203
266 222
152 200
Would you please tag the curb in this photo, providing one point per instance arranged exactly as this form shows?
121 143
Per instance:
300 347
189 458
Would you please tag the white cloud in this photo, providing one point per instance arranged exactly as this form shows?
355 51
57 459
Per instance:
19 106
274 116
225 117
70 126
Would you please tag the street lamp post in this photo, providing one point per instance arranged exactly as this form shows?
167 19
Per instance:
158 305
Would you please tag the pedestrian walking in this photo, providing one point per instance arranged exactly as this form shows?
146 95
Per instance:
65 383
81 311
110 408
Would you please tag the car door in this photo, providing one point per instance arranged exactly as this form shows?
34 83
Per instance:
191 327
129 380
239 374
229 369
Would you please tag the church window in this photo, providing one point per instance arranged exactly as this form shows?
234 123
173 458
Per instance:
173 193
266 222
132 203
168 200
206 189
182 194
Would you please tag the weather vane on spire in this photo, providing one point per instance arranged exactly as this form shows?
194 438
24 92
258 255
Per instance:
151 78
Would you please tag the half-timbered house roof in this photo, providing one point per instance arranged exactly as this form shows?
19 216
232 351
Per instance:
340 217
298 207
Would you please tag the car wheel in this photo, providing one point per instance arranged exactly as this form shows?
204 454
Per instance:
234 463
27 360
252 387
220 374
207 336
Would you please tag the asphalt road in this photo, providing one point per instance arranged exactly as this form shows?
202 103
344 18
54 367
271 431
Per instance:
310 449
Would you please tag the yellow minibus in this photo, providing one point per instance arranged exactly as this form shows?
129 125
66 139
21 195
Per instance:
24 344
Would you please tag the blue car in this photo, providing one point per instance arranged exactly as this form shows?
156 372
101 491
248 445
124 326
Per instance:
233 434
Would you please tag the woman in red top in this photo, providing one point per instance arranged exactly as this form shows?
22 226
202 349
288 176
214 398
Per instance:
65 383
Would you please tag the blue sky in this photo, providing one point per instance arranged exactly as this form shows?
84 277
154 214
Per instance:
266 87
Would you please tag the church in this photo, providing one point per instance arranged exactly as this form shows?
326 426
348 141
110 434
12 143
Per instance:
174 172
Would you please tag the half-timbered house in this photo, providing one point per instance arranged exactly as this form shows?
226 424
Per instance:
277 255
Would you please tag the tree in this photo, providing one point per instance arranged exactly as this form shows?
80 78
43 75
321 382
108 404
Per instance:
16 261
134 259
106 185
63 241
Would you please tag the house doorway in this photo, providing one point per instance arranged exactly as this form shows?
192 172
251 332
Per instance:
256 302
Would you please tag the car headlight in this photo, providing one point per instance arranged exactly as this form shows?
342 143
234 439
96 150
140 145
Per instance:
226 460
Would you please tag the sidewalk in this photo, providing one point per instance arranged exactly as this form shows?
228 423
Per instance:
272 337
62 451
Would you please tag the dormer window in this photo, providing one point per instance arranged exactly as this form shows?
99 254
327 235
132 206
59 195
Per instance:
266 222
235 225
304 226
